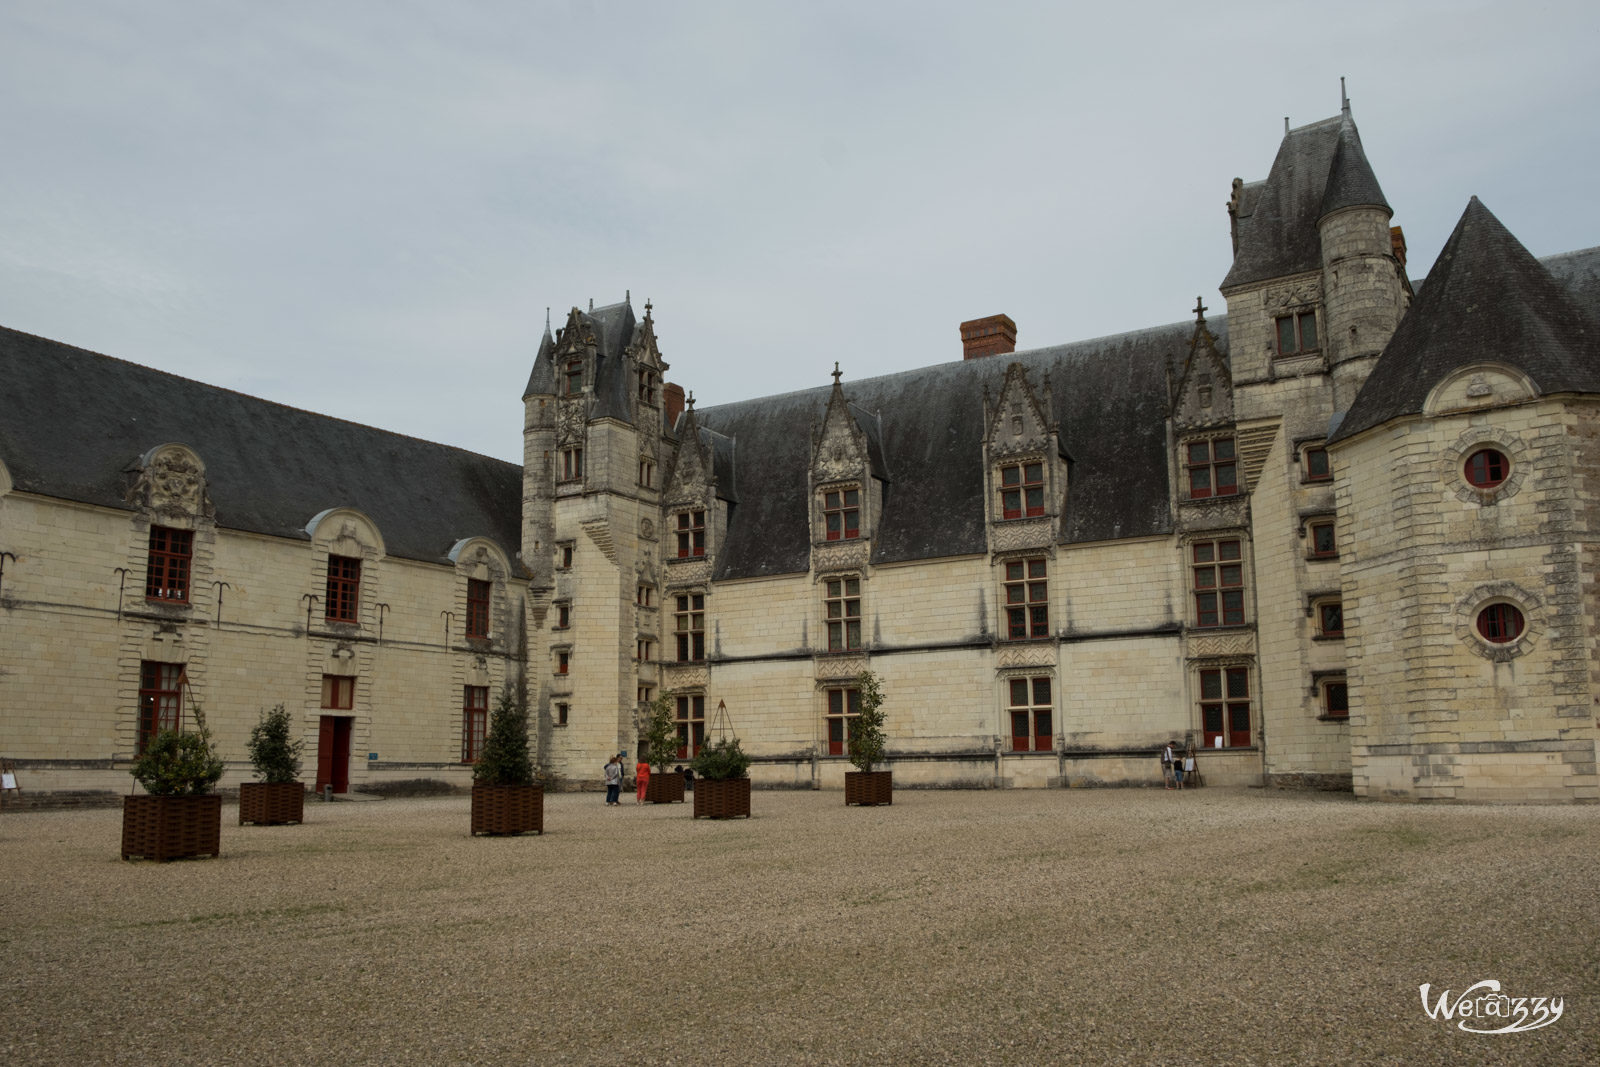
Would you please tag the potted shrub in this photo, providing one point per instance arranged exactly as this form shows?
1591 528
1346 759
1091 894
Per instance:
658 737
505 797
721 786
179 815
864 785
279 797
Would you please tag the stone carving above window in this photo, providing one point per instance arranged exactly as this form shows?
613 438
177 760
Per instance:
171 481
1303 293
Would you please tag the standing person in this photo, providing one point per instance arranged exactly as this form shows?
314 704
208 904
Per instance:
1177 768
1188 765
642 771
1166 765
613 780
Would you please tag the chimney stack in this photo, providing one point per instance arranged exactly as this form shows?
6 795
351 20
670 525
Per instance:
992 336
671 403
1397 242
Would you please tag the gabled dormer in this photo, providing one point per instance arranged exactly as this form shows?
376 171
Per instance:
646 375
846 476
689 500
1024 466
1202 389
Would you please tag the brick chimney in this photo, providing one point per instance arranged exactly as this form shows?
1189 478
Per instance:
993 336
1397 241
671 403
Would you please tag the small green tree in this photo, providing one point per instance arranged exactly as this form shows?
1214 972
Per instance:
866 731
721 759
179 762
505 759
658 732
273 751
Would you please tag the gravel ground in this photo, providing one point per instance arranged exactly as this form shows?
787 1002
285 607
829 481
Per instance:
1111 926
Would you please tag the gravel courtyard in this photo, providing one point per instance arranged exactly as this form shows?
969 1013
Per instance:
1111 926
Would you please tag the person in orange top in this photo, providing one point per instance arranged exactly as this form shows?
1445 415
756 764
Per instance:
642 772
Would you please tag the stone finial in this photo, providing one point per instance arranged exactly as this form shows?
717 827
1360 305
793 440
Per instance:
1200 310
836 374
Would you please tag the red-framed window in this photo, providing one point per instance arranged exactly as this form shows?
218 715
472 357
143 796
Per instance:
1330 618
1317 467
478 596
573 377
841 514
563 662
167 570
691 534
690 627
1225 706
1021 490
344 589
1027 593
1030 710
571 464
844 706
1501 623
843 608
160 699
1213 468
691 719
1323 545
1487 468
338 692
563 615
565 556
1297 333
474 721
1218 569
1336 699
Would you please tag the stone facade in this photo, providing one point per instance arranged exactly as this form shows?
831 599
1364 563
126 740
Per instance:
1261 534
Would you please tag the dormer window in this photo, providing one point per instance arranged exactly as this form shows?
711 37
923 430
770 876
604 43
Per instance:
573 380
1022 490
647 387
841 514
1213 470
1297 333
691 534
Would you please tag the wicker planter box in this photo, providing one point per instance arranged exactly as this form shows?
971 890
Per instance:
271 803
868 788
507 809
171 828
664 787
725 799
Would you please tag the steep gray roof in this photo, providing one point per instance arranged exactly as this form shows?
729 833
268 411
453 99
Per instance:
543 377
1579 274
1351 182
1486 299
1110 405
73 422
614 329
1319 168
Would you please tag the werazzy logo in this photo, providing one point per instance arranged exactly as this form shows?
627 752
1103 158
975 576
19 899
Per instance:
1481 1006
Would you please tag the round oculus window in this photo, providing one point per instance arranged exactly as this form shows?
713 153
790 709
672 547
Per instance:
1500 624
1487 468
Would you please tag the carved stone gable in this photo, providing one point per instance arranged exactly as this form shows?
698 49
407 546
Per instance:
171 481
1203 396
838 447
1018 421
691 473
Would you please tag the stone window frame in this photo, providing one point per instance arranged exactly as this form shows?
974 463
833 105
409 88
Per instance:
563 611
571 469
561 714
561 657
1315 603
1453 464
841 707
564 554
169 564
1191 566
1223 666
1321 683
1298 315
1211 466
644 649
1310 525
1031 707
647 472
1303 452
684 637
480 609
161 686
474 722
687 714
689 536
1023 488
843 620
338 692
1033 630
1471 604
342 602
843 509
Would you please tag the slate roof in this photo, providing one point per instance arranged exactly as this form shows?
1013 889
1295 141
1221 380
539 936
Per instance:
72 423
1110 406
614 329
1319 168
1486 299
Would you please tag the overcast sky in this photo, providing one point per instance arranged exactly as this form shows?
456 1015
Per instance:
364 208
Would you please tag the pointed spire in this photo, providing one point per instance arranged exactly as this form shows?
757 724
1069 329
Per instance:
1344 101
1351 182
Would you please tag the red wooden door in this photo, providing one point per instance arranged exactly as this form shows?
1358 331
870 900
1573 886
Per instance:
333 753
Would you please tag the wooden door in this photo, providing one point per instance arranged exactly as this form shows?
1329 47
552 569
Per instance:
333 753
